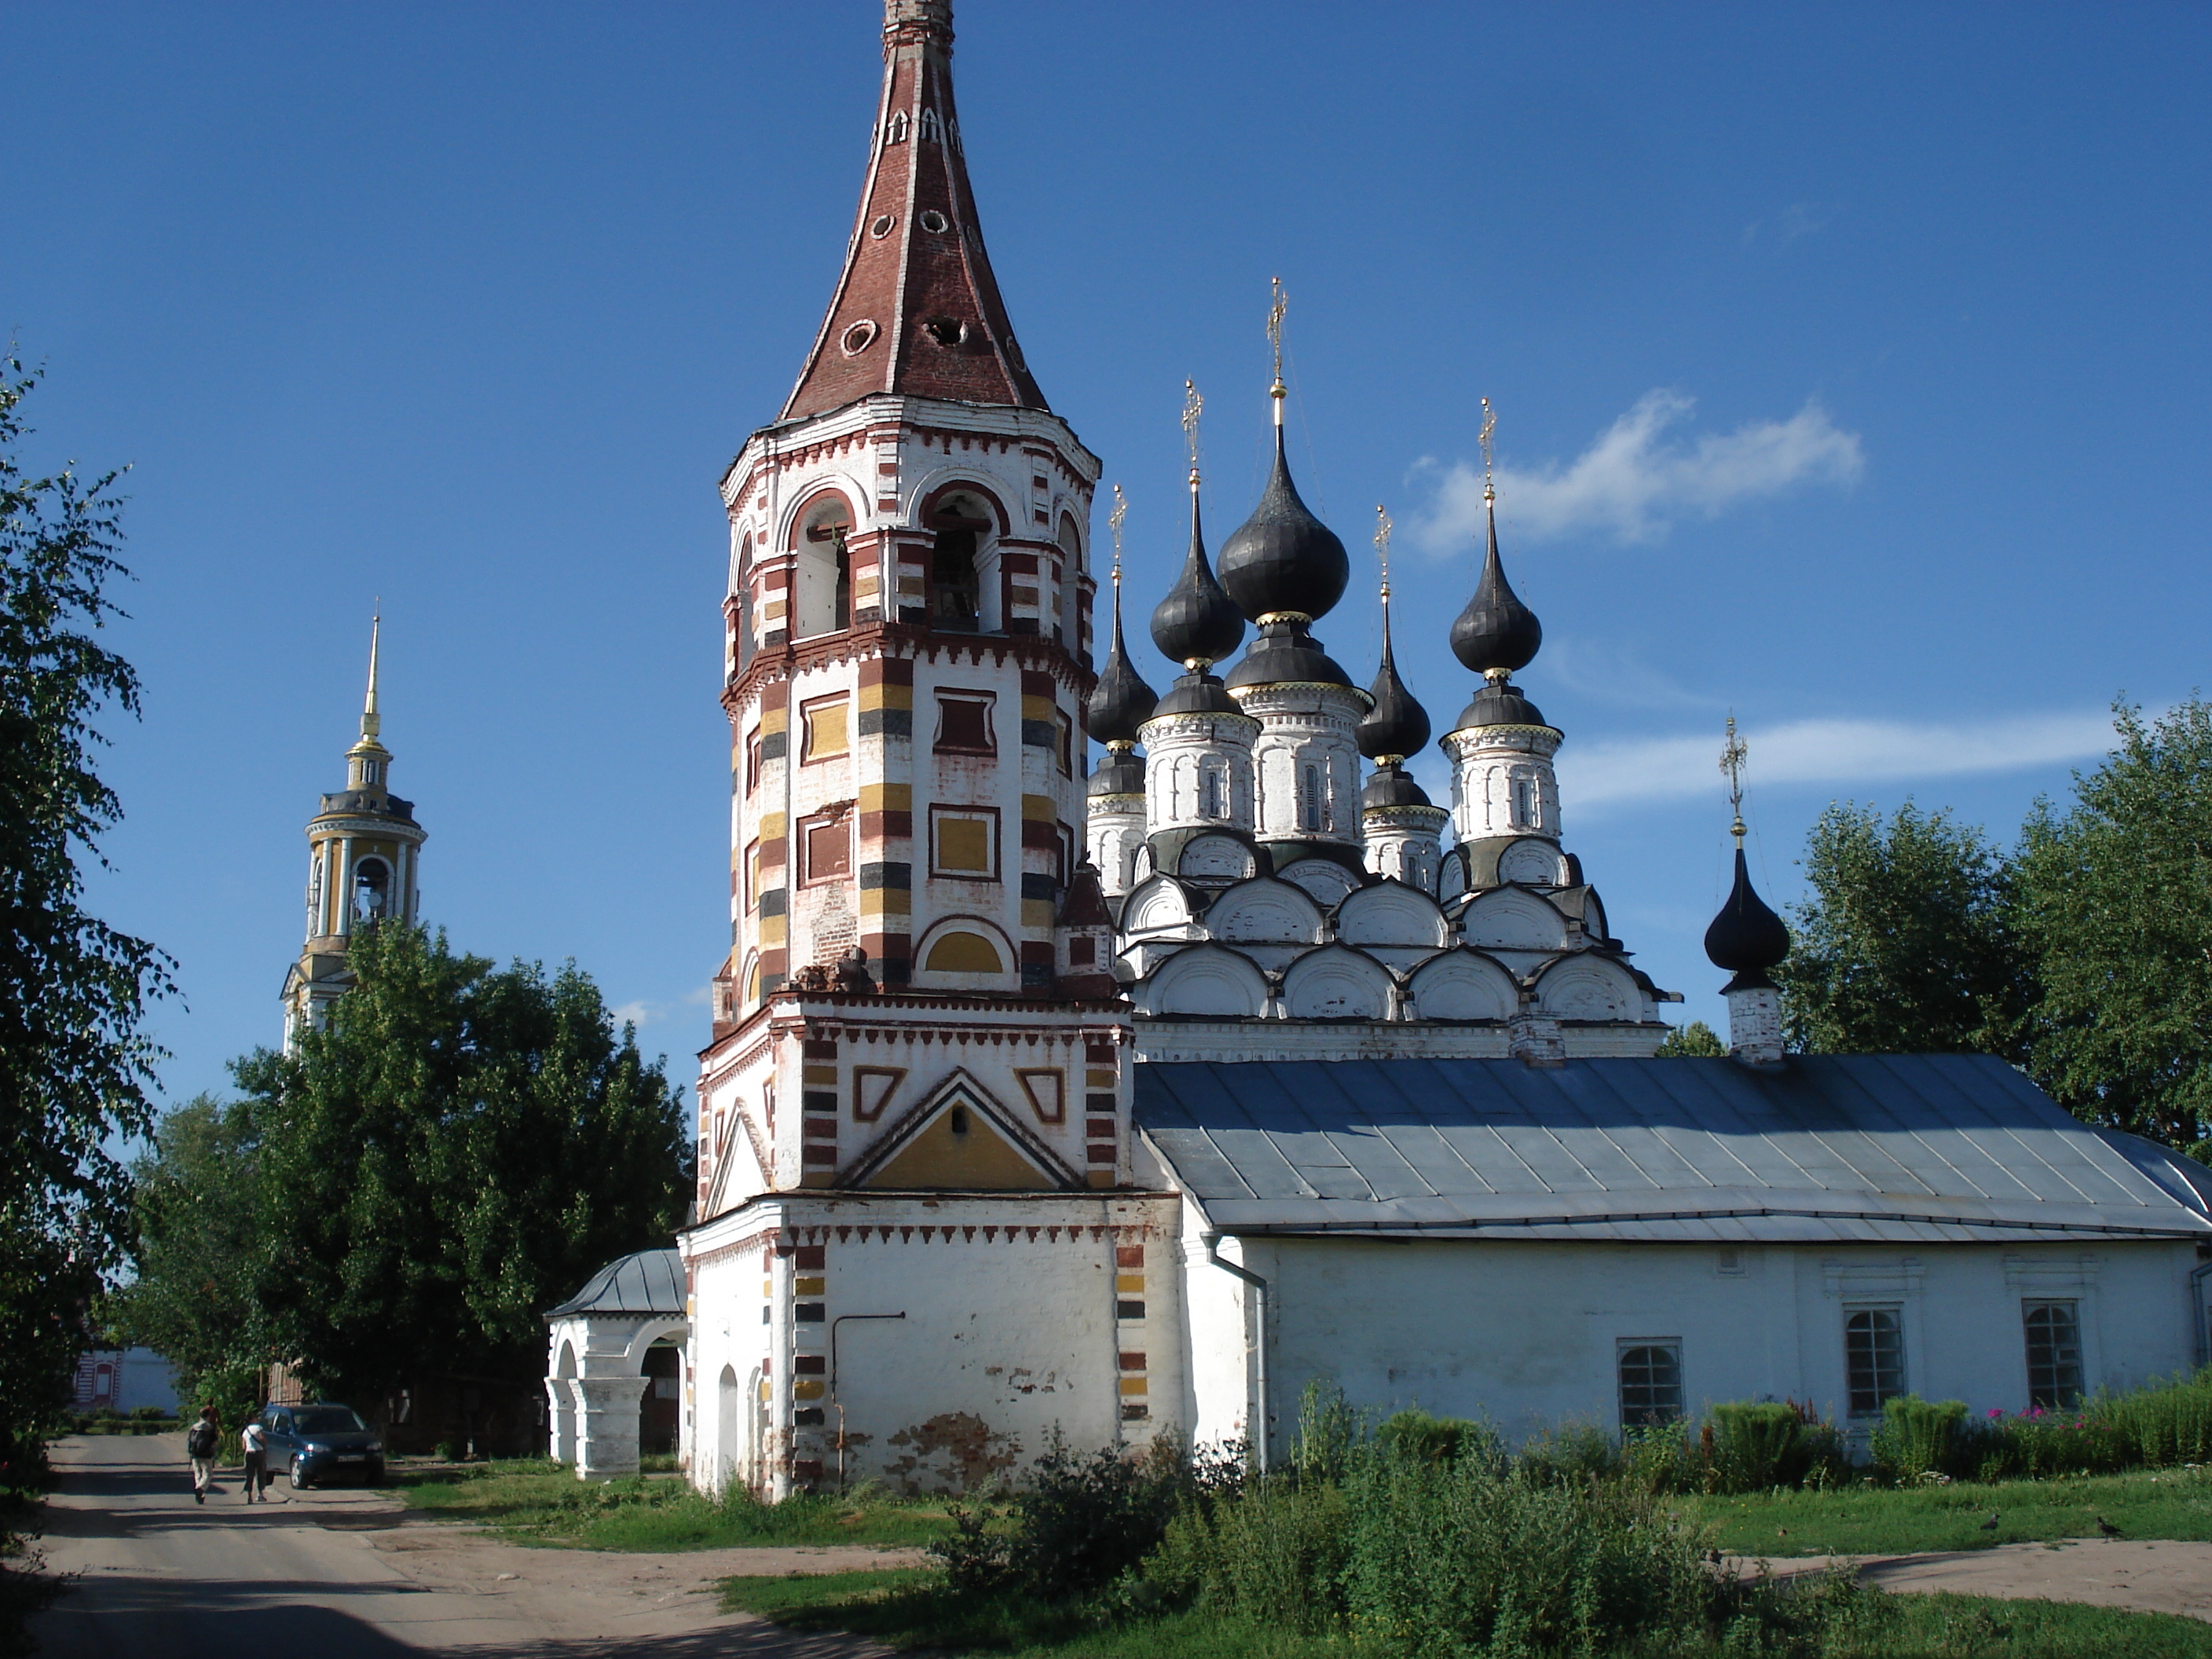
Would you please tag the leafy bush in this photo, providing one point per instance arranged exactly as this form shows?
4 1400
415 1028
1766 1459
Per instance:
2164 1424
1414 1435
1916 1437
1274 1552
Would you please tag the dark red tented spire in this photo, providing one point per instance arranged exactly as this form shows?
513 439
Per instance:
917 310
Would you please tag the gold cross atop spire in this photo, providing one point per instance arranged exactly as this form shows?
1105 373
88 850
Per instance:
1113 523
371 722
1489 429
1382 548
1733 753
1276 307
1193 405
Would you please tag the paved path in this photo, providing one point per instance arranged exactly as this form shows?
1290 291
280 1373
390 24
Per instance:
346 1574
2148 1576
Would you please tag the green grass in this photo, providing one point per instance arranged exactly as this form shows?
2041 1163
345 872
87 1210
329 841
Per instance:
531 1501
1878 1521
909 1609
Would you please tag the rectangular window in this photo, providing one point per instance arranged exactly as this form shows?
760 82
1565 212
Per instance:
964 841
1313 799
827 845
1067 742
753 762
1873 1358
1650 1383
825 730
964 723
2054 1353
752 876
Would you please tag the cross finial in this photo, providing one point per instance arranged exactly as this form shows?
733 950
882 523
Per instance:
1276 308
1733 753
1193 404
1113 523
371 723
1489 427
1383 547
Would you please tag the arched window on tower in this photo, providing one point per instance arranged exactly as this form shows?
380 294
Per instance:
824 599
961 522
1524 802
371 890
1313 799
1214 791
315 893
895 130
1067 607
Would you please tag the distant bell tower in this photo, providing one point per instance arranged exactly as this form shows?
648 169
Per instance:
362 850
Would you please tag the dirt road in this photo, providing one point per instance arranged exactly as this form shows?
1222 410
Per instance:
344 1574
2149 1575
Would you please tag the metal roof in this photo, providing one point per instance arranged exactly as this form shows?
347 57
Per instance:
650 1282
1922 1148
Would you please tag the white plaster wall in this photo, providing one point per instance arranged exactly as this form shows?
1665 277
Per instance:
1526 1333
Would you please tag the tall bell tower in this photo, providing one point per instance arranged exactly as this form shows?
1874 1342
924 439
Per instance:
917 1017
363 850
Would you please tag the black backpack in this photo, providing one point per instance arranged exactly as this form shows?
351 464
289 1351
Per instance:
200 1442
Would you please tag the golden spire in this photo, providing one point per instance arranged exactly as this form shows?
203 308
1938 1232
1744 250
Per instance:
1193 405
1383 550
1489 427
1277 307
1733 753
371 724
1113 523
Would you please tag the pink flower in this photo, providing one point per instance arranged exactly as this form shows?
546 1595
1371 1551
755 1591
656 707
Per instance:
1996 1411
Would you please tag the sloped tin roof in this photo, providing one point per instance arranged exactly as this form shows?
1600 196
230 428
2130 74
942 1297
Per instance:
650 1282
1921 1148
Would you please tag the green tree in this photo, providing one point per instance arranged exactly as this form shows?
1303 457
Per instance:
1906 944
1695 1041
456 1153
2115 904
74 1062
199 1200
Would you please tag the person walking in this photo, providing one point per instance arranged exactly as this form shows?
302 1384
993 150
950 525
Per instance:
200 1441
255 1440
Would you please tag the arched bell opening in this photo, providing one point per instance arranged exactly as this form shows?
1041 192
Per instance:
960 599
371 890
823 556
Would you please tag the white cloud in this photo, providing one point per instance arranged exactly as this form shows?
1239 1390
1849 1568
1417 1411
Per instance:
644 1013
1836 753
1633 484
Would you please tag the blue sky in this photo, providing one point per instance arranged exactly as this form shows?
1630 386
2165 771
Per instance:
1849 364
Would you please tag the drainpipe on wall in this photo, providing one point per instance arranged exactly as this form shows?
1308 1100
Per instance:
1212 1243
834 1399
2198 1322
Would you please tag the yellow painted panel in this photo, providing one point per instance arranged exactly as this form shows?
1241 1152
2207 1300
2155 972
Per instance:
773 720
1129 1385
826 729
886 697
768 1287
767 1393
771 930
1131 1282
964 953
1039 809
818 1178
771 826
808 1388
1102 1177
818 1074
1099 1077
1038 913
887 797
1039 708
809 1287
886 902
980 1160
964 844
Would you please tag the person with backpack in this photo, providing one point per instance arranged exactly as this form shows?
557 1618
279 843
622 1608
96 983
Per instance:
200 1442
253 1438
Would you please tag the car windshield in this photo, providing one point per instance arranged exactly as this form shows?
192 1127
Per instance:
326 1420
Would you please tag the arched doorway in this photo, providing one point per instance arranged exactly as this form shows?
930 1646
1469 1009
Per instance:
563 1400
727 1427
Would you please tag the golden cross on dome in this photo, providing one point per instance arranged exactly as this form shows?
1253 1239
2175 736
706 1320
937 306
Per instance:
1277 307
1113 523
1489 427
1192 406
1383 547
1733 753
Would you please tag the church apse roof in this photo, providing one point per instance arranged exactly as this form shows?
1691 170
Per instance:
1918 1149
649 1282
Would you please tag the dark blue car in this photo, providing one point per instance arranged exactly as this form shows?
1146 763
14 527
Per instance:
322 1442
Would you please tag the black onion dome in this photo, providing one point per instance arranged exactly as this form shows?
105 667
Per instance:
1285 654
1397 725
1391 785
1121 773
1196 693
1121 702
1196 623
1496 630
1282 558
1746 938
1500 703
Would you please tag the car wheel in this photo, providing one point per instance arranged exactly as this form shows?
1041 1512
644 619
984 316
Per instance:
299 1477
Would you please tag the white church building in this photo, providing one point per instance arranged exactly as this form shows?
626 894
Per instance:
1125 1100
